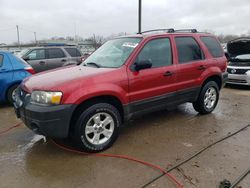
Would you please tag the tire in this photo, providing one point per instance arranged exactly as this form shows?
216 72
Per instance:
208 98
90 132
11 93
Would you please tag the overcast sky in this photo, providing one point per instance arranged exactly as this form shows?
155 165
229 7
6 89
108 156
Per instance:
105 17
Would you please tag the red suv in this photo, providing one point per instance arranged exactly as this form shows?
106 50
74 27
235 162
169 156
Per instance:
124 78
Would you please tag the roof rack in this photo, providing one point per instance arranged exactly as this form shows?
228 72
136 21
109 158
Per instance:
171 30
187 30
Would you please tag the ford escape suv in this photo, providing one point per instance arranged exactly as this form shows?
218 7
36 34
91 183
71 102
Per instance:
124 78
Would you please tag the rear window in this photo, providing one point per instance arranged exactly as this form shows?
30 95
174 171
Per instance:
213 46
55 53
1 60
188 49
73 52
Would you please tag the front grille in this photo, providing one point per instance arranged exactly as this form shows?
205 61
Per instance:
237 81
236 71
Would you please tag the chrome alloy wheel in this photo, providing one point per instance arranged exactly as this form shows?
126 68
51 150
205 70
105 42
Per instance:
99 129
210 98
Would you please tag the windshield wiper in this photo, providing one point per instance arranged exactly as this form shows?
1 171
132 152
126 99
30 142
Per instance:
93 63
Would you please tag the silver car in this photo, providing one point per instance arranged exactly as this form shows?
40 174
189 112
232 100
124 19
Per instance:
239 61
46 58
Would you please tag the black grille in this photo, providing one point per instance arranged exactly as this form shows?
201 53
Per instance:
237 81
236 71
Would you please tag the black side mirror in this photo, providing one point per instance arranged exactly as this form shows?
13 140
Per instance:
26 58
144 64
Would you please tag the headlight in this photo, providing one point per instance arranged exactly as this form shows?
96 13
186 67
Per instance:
46 97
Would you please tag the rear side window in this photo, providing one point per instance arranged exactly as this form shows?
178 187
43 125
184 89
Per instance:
55 53
188 49
1 60
213 46
73 52
158 51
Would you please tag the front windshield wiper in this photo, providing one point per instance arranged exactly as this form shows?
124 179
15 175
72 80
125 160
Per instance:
93 63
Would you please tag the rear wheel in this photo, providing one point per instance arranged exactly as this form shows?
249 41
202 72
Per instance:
97 127
208 98
11 93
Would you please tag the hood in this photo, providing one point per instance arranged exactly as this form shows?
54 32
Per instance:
240 46
52 80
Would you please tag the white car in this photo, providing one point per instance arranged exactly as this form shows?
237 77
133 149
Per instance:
239 62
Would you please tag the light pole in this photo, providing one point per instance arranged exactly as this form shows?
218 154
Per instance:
139 17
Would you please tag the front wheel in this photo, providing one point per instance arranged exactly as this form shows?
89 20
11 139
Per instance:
208 98
97 127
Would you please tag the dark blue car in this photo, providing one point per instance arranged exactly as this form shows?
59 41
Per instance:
12 71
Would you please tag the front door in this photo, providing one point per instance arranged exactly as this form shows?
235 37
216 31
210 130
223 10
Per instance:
154 86
37 59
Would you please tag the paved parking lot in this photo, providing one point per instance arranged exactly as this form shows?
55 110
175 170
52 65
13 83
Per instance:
162 138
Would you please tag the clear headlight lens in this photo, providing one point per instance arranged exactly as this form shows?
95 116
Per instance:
46 97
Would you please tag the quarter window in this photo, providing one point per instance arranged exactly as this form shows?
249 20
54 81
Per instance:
73 52
188 49
158 51
213 46
1 60
55 53
36 54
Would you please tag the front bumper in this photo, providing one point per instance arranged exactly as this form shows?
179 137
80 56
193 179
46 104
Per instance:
50 121
239 79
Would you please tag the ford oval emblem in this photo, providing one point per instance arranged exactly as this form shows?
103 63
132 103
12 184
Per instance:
233 71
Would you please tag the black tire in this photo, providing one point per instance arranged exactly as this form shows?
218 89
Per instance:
200 105
79 130
10 93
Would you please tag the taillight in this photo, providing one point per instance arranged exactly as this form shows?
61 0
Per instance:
30 70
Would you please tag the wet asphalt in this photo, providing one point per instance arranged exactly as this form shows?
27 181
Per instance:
163 138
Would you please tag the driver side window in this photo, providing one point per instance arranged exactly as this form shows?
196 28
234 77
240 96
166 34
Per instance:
36 54
158 51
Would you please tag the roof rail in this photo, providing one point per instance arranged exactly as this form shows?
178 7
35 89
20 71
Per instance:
187 30
171 30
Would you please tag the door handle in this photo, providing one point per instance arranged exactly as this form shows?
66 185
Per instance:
42 62
168 73
201 67
3 69
63 60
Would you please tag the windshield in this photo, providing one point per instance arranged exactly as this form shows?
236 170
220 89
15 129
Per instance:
113 53
22 53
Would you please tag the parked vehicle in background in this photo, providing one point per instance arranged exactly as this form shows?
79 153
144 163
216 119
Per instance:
12 71
124 78
50 57
239 61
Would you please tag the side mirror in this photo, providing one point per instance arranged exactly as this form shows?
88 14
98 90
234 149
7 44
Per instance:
26 58
144 64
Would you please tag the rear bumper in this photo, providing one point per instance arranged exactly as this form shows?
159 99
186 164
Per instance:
50 121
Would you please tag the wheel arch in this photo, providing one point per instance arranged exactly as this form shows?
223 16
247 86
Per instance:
110 99
216 78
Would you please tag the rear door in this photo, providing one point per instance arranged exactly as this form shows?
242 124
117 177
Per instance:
191 64
153 87
37 59
56 58
6 74
74 53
